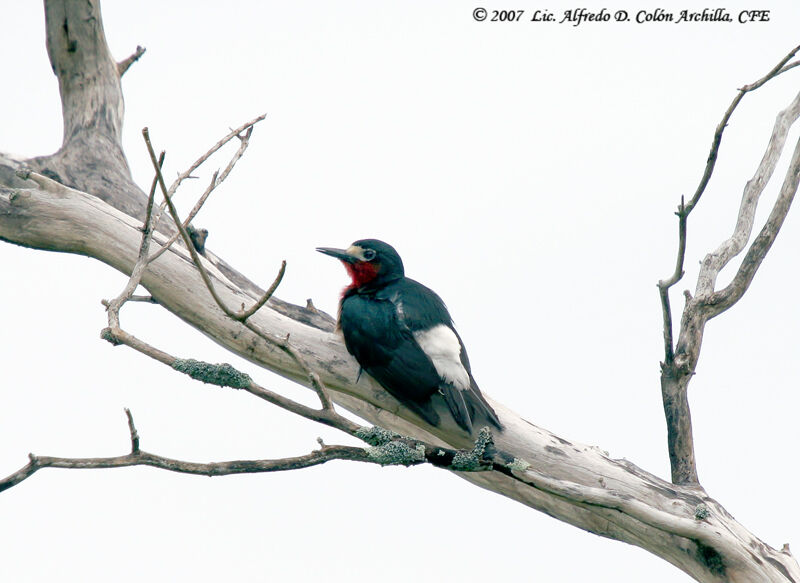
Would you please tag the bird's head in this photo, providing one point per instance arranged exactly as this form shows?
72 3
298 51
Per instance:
368 261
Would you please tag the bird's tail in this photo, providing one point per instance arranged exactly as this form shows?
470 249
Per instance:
469 406
424 410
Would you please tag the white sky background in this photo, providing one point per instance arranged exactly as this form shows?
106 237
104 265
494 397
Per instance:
527 172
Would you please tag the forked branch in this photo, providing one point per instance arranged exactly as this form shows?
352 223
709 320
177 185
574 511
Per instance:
216 179
244 314
684 210
241 315
138 457
680 359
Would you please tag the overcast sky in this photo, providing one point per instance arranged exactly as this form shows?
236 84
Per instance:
528 172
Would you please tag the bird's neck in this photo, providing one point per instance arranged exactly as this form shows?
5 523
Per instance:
367 278
361 273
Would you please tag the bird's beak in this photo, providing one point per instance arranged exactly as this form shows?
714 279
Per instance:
341 254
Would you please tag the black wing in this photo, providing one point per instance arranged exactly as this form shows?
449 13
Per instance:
419 308
477 404
386 350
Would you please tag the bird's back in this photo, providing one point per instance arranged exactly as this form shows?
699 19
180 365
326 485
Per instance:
402 335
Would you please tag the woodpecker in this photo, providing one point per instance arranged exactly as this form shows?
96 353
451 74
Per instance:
402 335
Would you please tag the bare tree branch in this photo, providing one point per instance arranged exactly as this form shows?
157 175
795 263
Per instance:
245 314
685 209
133 432
727 297
143 458
236 133
715 261
125 64
216 179
242 315
387 448
680 360
113 306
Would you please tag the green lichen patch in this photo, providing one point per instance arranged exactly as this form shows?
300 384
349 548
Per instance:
376 436
467 461
223 375
701 512
107 335
397 453
518 465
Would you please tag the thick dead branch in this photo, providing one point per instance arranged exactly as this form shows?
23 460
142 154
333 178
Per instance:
91 157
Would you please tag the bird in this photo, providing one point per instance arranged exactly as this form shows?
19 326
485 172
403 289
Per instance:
402 335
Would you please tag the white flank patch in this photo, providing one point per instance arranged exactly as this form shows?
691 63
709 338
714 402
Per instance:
443 348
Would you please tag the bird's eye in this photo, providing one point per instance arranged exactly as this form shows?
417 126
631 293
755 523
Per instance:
369 254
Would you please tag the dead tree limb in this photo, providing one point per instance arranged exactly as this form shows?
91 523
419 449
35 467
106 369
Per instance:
677 368
385 449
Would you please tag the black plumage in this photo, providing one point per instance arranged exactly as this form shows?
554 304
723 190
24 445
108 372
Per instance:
402 335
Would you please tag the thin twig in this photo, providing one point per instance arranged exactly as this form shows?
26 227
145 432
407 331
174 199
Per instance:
239 316
328 417
788 67
197 163
387 448
202 159
243 315
184 234
143 458
216 180
133 432
113 307
147 226
396 452
478 459
198 205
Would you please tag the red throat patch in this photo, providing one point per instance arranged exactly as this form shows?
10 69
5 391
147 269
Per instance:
361 272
